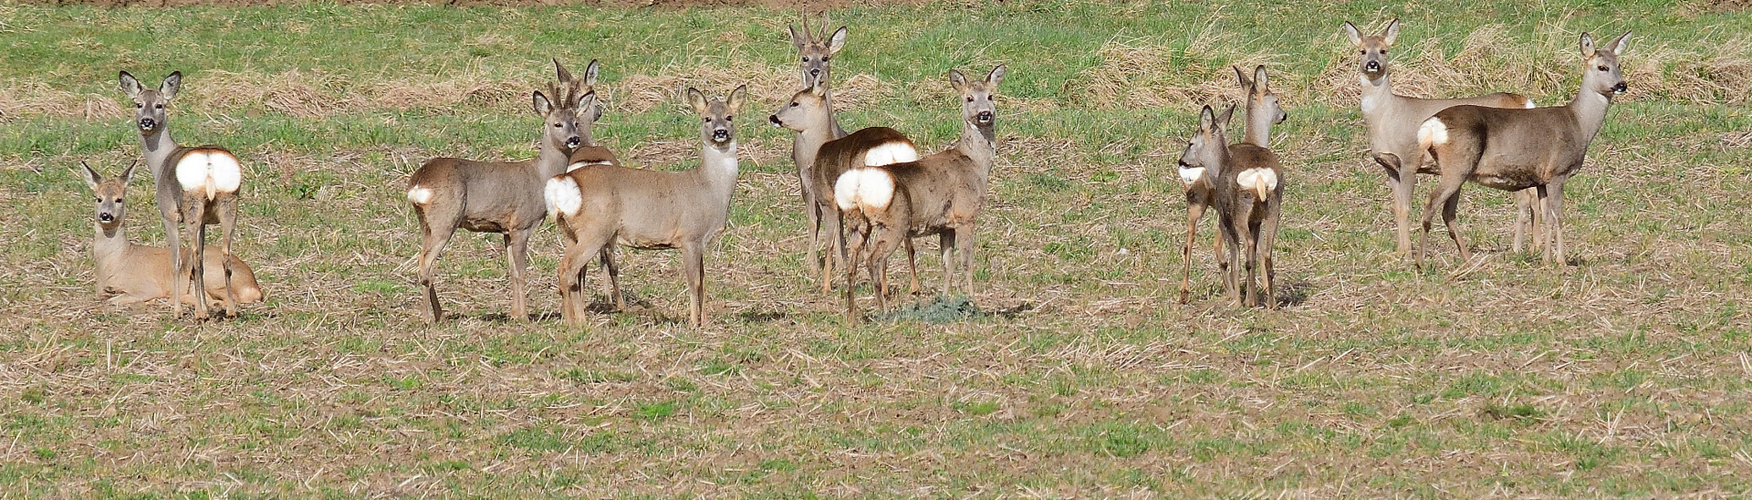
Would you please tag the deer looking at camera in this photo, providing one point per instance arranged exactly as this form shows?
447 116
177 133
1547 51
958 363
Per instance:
499 197
1393 120
196 186
129 274
809 113
941 195
1263 111
1517 149
1247 191
600 206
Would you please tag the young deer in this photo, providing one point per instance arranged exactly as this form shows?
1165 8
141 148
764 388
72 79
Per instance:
941 194
599 206
196 187
1248 195
498 197
1262 112
1393 120
1516 149
810 114
130 274
812 118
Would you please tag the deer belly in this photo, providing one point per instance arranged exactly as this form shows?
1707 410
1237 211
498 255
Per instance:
1503 182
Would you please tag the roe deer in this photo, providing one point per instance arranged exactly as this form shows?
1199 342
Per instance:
1262 112
1516 149
129 274
810 114
196 186
1248 195
599 206
941 194
1393 119
815 125
498 197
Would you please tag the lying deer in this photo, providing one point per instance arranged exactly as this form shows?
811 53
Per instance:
499 197
1393 120
129 274
1516 149
196 186
810 114
1248 195
600 206
1262 112
941 194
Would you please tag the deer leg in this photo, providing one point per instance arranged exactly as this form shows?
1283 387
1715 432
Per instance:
228 225
1403 183
1554 217
849 265
875 254
431 246
946 248
813 211
1267 241
613 272
964 247
835 225
571 276
1232 229
517 255
912 264
194 221
1450 212
178 265
693 265
1194 211
1252 282
1524 201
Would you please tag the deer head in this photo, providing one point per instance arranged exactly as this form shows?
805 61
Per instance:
1602 75
806 107
1373 49
108 194
1206 149
717 128
149 113
816 49
977 107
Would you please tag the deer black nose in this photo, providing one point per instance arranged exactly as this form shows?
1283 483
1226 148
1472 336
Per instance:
1372 66
1620 88
775 120
984 117
720 135
106 217
573 141
814 71
148 124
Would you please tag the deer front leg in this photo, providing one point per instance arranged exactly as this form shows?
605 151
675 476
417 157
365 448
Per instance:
173 237
1403 184
964 247
1194 211
1554 216
946 244
517 255
1524 209
613 272
813 211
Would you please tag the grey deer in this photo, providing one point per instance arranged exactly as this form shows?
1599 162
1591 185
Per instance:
1263 111
129 273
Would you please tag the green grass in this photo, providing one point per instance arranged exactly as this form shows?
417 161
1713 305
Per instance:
1070 370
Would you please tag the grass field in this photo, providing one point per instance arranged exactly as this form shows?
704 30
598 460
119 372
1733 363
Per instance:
1624 374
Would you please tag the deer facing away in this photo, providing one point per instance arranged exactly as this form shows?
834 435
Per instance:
130 274
196 187
1393 120
1517 149
941 194
499 197
600 206
1262 112
1248 195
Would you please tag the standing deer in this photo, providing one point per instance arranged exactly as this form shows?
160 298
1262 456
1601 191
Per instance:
941 194
1262 112
1248 195
499 197
814 124
1516 149
600 206
1393 120
810 114
196 187
130 274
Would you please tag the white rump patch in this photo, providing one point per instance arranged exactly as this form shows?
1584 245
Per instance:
863 188
587 163
1191 175
1530 104
419 195
562 196
889 154
210 170
1432 132
1258 180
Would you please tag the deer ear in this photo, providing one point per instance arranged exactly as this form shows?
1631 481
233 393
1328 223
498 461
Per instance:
171 85
128 173
1392 32
90 176
1618 46
1259 82
560 72
837 42
1223 121
1206 120
1241 76
541 104
1587 45
797 40
129 85
737 97
696 99
995 77
1350 30
587 101
957 79
590 72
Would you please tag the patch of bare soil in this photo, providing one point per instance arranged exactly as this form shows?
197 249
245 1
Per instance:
784 4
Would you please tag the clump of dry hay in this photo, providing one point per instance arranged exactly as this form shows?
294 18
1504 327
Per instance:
29 97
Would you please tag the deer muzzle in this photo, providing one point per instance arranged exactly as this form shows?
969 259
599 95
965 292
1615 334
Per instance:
106 217
148 124
720 135
774 119
573 141
1620 89
983 118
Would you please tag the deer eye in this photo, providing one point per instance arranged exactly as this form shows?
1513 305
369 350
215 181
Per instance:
100 199
988 98
138 105
729 118
793 104
1383 51
158 106
1363 52
969 98
824 58
706 119
805 58
1603 68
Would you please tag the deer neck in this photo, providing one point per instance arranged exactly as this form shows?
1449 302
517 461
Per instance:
718 169
550 159
1258 128
978 142
158 146
808 143
1377 93
833 125
109 244
1589 109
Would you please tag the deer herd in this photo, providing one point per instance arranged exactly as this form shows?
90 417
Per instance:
866 193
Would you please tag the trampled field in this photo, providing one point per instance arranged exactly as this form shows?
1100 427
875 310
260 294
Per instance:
1623 374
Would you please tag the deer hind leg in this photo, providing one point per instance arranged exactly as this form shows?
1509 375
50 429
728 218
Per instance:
436 230
964 249
1450 212
1525 202
227 207
849 264
834 226
571 275
1267 243
693 267
194 217
613 271
912 265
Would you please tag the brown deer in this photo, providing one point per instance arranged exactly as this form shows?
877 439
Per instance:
196 186
1248 195
810 114
1393 119
499 197
129 274
941 194
1262 112
600 206
1517 149
812 118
